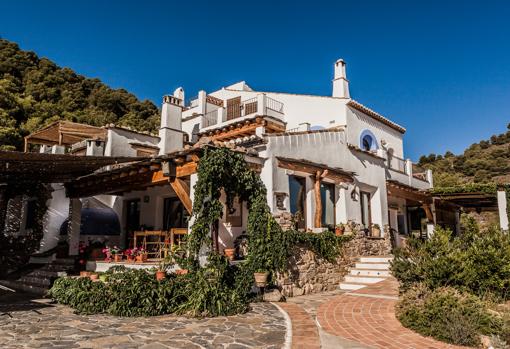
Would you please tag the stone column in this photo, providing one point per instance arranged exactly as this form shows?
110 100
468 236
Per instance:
73 231
502 209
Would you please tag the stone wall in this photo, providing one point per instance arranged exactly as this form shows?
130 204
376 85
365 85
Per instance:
308 273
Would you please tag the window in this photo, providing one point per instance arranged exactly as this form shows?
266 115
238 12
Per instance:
366 214
328 204
368 141
31 214
297 195
174 214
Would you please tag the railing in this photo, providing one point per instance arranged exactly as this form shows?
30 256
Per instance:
210 118
397 164
249 106
274 105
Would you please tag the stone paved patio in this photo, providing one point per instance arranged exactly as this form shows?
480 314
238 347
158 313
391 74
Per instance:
25 324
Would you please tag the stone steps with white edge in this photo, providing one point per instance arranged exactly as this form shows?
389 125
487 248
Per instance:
369 272
350 286
375 259
362 279
373 266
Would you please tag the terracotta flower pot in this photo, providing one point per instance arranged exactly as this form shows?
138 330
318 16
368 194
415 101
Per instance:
84 273
181 271
160 275
261 279
144 257
339 231
230 253
376 232
94 277
117 258
130 259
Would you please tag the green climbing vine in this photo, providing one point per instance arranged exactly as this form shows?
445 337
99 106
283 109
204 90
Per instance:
215 288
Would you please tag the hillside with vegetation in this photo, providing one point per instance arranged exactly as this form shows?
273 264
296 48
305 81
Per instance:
484 162
35 91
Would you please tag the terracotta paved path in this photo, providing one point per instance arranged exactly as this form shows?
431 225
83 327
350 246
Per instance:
367 316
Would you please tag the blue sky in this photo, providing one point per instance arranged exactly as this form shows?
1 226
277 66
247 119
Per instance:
439 68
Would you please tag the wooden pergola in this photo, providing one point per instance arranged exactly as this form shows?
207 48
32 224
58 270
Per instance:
244 128
51 168
318 172
411 195
171 169
64 133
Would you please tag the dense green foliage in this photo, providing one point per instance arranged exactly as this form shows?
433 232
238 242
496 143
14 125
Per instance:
474 261
35 91
482 162
216 288
449 281
448 315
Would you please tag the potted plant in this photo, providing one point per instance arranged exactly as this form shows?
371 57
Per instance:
94 276
339 229
141 255
112 251
261 277
85 273
163 266
230 253
181 271
131 254
376 231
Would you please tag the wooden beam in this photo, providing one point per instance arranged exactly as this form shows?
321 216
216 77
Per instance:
182 191
428 213
318 201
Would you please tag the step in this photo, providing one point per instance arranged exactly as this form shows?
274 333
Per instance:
46 273
375 259
351 286
370 272
377 266
19 286
36 281
363 279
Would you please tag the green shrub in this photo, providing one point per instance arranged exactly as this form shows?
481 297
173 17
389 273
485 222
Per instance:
475 261
447 315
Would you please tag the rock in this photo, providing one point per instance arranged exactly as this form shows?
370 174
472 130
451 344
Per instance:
273 296
486 342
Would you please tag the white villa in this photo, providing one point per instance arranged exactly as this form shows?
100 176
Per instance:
324 159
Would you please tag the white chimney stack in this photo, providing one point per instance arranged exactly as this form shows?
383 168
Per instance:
179 93
340 82
170 133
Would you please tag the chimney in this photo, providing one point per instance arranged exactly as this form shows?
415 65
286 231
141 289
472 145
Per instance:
340 82
170 133
179 93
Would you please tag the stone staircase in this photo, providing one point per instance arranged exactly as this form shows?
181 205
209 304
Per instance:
367 270
39 278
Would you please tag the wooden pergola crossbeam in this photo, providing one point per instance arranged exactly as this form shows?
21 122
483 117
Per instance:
334 174
406 192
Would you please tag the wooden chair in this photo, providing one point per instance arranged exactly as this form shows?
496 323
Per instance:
176 235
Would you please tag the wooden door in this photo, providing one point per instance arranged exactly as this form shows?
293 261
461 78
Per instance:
233 108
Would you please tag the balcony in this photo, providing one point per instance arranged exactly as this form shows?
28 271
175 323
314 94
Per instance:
236 109
405 172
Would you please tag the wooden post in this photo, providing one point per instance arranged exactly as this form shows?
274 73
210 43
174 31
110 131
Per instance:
4 201
318 201
26 145
73 230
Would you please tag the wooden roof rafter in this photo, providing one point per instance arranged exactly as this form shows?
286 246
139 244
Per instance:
243 128
337 175
400 190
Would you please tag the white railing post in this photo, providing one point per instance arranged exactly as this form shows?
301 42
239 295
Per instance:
430 178
221 115
261 104
202 102
502 209
409 170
